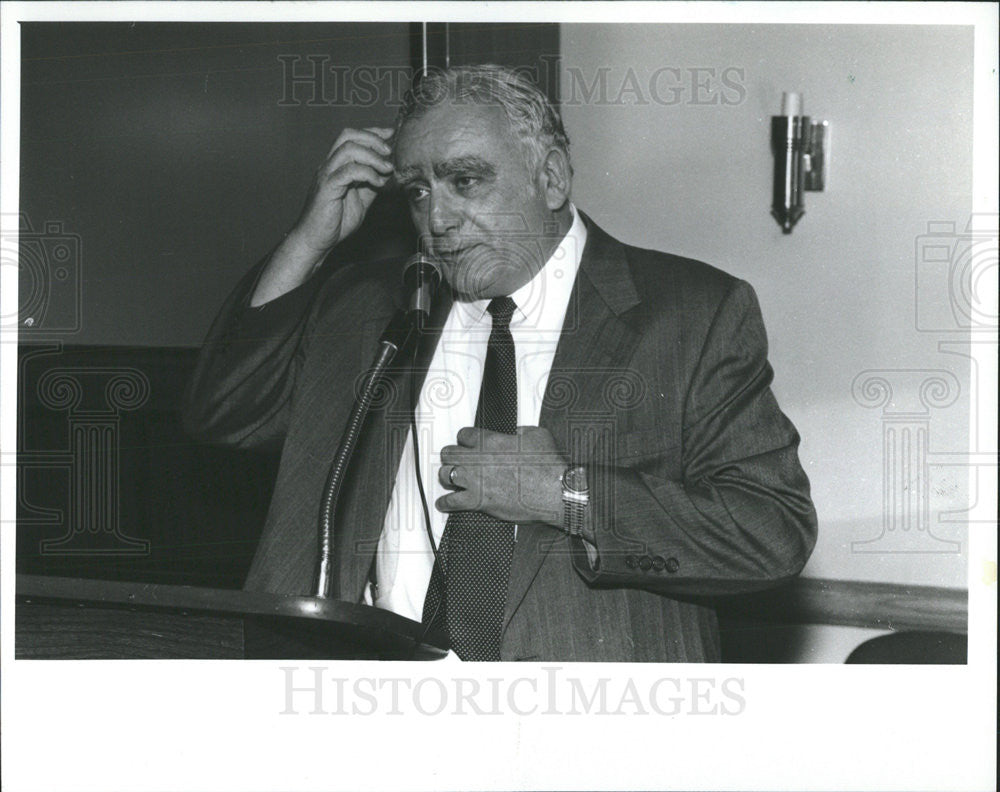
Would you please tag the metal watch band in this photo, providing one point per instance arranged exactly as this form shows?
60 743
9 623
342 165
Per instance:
574 514
575 501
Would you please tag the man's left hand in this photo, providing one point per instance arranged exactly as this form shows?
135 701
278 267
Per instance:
510 477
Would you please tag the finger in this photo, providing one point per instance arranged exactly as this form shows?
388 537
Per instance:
489 441
356 173
360 139
447 478
499 441
535 438
453 455
368 137
460 500
450 502
471 436
355 152
384 132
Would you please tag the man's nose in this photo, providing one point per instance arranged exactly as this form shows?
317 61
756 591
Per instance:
442 216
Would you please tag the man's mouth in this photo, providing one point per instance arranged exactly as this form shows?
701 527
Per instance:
450 253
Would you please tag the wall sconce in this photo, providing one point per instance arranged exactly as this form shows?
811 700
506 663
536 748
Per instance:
801 158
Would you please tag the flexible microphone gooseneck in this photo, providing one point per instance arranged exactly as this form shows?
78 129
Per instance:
421 276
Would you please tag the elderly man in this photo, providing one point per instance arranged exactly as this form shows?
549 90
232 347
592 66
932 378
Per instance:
595 431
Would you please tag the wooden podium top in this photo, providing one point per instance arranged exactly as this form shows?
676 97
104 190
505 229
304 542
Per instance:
103 618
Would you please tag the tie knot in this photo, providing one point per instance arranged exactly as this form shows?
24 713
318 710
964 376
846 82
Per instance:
502 309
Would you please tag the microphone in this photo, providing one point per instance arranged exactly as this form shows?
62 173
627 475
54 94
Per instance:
421 277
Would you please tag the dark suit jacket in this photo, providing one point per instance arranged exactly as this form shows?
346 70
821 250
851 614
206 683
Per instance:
660 384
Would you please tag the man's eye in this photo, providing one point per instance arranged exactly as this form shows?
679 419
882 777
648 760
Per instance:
465 182
416 194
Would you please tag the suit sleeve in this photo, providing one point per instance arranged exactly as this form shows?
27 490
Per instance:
240 391
741 518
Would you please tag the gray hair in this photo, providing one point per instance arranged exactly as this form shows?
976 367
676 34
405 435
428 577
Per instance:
532 118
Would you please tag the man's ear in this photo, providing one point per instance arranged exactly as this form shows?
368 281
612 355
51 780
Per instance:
555 178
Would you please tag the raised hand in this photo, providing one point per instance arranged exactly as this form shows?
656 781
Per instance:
357 165
345 185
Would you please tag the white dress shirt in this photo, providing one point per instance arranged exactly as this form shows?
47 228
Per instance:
448 401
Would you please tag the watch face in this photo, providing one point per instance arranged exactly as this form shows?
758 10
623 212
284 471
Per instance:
575 479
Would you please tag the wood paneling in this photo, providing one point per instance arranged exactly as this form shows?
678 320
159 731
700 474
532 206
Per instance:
62 631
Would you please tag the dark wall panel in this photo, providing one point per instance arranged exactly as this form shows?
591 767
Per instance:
173 156
109 486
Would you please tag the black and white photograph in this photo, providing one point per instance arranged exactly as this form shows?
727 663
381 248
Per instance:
468 396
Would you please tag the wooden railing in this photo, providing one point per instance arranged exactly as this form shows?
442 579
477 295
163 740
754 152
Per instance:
853 603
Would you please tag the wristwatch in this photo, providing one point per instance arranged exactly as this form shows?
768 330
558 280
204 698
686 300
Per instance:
575 497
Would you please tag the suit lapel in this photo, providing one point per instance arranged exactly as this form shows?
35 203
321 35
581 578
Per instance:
596 338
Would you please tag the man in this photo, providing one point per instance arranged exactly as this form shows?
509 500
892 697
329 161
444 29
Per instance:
595 432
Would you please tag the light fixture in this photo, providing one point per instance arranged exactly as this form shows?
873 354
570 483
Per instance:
801 159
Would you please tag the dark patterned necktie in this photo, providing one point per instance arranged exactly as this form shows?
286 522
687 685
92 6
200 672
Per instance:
468 587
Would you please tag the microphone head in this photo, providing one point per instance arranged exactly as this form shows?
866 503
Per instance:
421 278
421 271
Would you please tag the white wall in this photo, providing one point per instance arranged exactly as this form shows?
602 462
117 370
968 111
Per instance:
839 294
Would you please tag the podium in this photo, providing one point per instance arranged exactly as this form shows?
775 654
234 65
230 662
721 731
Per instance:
77 618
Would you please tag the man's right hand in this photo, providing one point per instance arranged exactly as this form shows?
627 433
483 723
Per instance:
358 164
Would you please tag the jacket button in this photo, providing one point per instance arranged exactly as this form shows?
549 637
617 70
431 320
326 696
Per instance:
673 565
658 563
631 561
645 563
